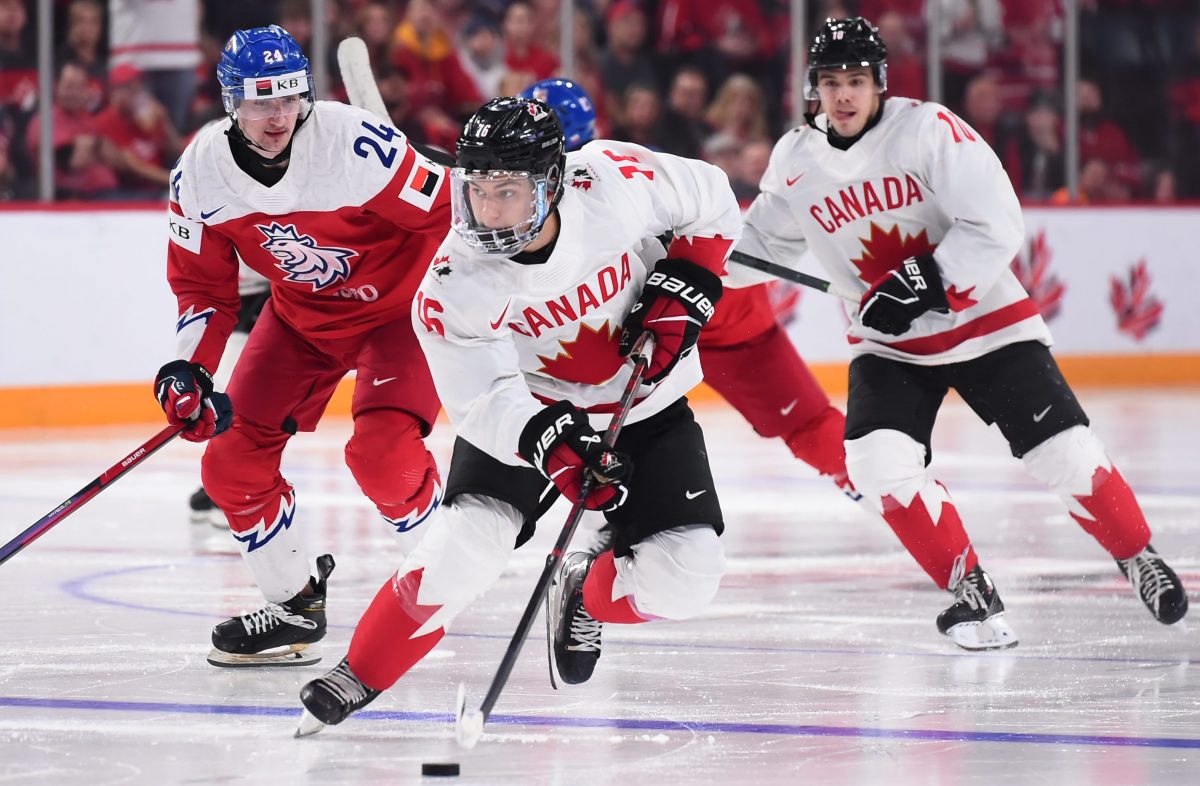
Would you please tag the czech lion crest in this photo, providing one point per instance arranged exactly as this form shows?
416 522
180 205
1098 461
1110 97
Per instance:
303 261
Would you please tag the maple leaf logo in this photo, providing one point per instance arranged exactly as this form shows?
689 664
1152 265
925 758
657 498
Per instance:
884 251
1138 312
592 358
1045 290
583 177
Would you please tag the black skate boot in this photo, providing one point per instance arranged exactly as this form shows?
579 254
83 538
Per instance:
976 620
1156 584
205 511
574 635
279 634
331 699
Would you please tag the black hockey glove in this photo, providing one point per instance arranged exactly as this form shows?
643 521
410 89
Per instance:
676 303
562 445
185 392
902 295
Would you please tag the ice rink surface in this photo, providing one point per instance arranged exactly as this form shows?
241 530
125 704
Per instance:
818 662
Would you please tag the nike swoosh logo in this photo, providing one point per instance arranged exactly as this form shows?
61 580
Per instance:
1038 417
379 382
791 181
786 410
694 494
498 322
205 216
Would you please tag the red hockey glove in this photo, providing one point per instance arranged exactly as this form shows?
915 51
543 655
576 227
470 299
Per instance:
560 443
185 392
900 296
676 303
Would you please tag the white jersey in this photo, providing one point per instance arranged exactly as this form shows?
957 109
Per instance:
504 339
921 181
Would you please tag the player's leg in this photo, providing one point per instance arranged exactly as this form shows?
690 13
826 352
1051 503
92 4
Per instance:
1022 390
890 415
749 360
280 386
394 408
469 540
666 561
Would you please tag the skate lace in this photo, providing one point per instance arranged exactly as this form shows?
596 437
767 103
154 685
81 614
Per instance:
585 632
271 616
342 683
965 588
1148 578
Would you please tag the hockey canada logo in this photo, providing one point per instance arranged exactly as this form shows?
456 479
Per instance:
1033 272
303 261
1138 312
583 177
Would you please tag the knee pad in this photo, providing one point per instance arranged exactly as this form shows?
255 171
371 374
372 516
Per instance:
240 468
673 574
467 546
388 458
886 463
1067 461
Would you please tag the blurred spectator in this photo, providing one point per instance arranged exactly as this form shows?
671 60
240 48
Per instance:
161 38
684 129
1101 138
722 150
906 64
522 51
456 13
1043 167
983 109
751 163
374 24
142 137
8 170
641 117
482 51
738 110
18 65
970 31
1032 49
1096 185
587 72
1183 130
513 82
84 45
722 36
1164 186
911 13
546 17
440 92
624 61
295 16
80 171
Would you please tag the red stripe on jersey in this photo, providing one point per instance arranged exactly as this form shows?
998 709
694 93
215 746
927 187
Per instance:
988 323
709 253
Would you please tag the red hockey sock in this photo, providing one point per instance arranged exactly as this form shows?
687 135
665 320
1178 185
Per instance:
1116 519
597 594
818 443
383 647
935 545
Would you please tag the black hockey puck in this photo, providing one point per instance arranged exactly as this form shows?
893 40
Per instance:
439 770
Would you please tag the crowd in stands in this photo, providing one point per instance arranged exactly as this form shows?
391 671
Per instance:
700 78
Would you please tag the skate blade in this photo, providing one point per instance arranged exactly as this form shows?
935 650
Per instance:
551 601
993 633
468 724
309 725
293 655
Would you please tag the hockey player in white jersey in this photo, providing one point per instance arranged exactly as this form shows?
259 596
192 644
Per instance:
905 203
526 316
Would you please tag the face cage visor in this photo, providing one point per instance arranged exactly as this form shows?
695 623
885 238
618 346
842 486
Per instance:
267 97
878 71
498 213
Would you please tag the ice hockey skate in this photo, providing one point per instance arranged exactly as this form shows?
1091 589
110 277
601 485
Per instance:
279 634
331 699
205 511
572 634
976 620
1156 584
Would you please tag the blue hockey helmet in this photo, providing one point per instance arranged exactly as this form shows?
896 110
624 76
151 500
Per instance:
264 68
571 104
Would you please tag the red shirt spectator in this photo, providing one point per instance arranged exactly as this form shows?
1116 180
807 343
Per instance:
521 52
79 171
137 126
736 28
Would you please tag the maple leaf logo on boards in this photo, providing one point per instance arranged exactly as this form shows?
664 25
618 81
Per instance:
1045 290
592 358
1138 312
884 251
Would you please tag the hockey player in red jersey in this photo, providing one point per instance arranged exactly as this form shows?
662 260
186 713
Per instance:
905 203
534 298
342 215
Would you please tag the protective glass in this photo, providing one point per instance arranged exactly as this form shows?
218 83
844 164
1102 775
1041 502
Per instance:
810 80
497 212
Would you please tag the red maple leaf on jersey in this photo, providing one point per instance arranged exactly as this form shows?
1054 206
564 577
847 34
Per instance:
884 251
1044 289
1138 312
592 358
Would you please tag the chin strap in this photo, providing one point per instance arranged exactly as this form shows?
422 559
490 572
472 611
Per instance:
843 142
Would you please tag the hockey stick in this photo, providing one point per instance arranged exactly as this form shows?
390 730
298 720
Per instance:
354 63
42 525
468 725
787 274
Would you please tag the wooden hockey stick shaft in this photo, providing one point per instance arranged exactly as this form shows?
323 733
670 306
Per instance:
81 497
787 274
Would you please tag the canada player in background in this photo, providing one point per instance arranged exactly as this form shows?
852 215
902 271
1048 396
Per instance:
342 215
545 283
905 203
744 351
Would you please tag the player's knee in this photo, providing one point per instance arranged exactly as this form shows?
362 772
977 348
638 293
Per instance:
238 465
886 463
467 546
1067 461
818 442
676 573
388 457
